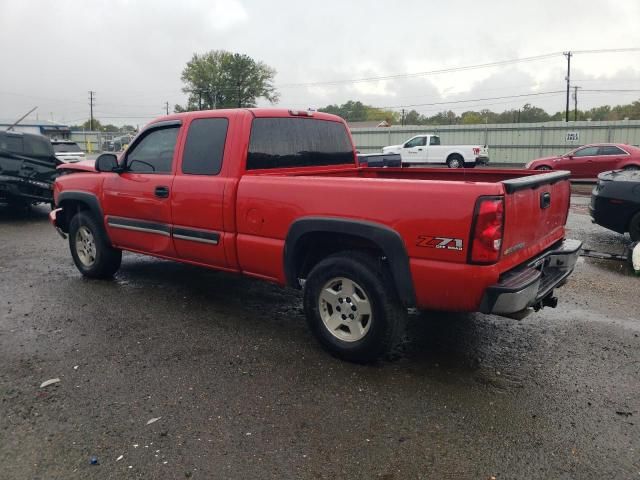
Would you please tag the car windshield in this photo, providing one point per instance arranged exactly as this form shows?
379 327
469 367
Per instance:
66 148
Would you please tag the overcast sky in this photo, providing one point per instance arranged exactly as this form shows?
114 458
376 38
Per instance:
131 53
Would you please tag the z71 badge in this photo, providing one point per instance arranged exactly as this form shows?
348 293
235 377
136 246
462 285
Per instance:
439 242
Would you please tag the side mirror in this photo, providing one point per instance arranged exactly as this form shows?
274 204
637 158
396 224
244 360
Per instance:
570 157
107 162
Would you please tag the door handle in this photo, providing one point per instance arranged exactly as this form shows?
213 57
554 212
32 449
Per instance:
162 192
419 149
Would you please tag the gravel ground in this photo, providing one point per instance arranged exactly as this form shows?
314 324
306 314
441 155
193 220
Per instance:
241 389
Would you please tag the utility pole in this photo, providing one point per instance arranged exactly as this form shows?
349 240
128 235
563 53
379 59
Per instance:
568 55
402 118
91 102
166 106
575 103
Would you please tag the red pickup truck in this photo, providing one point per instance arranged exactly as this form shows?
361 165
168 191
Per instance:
279 195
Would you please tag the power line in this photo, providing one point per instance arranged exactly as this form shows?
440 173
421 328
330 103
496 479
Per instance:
537 94
611 90
608 50
458 69
421 74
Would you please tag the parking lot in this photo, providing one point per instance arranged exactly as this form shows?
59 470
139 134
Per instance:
240 389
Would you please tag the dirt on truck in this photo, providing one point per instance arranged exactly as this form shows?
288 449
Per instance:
279 195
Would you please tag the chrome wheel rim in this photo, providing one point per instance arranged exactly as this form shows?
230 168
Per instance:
455 163
345 309
85 246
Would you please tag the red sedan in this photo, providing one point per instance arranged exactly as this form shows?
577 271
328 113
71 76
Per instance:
588 161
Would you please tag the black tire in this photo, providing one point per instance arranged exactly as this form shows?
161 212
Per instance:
631 168
634 227
385 323
105 259
543 168
455 161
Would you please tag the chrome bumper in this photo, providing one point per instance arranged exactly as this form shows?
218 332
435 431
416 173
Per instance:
532 284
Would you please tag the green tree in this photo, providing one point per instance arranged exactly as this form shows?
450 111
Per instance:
110 128
97 126
221 79
412 117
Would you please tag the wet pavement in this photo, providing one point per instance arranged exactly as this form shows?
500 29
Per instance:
242 390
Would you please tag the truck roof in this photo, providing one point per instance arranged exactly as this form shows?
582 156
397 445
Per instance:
256 112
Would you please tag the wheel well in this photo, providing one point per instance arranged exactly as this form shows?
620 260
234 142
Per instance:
631 166
69 209
312 247
454 154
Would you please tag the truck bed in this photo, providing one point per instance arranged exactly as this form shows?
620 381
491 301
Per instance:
485 175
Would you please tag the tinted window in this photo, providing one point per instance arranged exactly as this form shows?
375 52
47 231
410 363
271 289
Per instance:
434 141
205 146
38 146
11 143
586 152
611 150
298 142
66 147
154 153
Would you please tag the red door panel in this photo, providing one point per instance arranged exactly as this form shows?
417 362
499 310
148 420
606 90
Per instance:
137 217
197 207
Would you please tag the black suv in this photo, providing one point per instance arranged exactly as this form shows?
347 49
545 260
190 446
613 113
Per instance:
27 169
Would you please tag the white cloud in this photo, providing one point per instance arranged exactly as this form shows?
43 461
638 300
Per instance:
225 14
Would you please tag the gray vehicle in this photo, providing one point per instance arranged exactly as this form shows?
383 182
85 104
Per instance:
27 169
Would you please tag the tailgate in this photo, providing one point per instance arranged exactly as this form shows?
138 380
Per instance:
535 213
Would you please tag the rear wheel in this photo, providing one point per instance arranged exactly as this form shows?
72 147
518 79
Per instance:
351 307
634 227
455 161
631 168
90 248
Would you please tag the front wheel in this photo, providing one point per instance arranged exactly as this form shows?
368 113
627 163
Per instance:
352 309
631 168
543 168
90 248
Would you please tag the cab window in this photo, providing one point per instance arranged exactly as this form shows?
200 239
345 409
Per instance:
416 142
154 152
434 141
204 148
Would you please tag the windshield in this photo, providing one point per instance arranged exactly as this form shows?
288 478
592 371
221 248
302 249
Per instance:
66 147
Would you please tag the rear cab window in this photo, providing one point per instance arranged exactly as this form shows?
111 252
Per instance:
298 142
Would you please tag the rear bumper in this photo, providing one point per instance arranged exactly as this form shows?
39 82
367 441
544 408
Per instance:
531 284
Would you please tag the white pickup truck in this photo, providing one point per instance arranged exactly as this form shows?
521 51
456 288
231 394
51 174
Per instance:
423 149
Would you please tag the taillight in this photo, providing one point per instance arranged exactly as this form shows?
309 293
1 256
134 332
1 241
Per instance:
487 230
